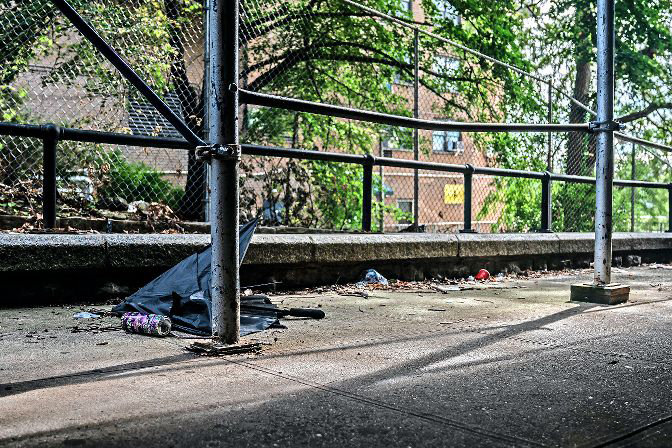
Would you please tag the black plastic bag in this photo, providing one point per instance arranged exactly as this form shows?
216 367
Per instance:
183 294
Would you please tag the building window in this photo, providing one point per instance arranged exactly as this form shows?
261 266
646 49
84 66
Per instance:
397 139
447 141
407 5
406 206
143 119
446 67
447 11
404 75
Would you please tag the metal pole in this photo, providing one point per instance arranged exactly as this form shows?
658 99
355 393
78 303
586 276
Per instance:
49 143
367 193
223 130
632 191
468 181
605 141
546 203
669 208
381 192
549 151
206 101
416 133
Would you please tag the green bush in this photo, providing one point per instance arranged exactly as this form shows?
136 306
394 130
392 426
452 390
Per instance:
137 182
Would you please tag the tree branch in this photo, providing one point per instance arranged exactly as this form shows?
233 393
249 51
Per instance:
653 107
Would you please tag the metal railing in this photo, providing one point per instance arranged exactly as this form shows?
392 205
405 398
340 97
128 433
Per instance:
51 134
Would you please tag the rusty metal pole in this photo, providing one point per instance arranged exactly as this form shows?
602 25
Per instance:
605 141
602 290
223 135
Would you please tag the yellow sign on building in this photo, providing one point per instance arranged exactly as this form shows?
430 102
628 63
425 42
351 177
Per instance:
453 194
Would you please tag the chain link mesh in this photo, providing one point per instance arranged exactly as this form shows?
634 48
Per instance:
330 52
50 74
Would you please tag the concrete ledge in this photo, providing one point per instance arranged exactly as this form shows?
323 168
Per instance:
301 259
143 250
56 252
28 252
507 244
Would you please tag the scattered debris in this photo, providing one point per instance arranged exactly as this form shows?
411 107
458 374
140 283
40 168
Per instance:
149 324
451 322
372 276
94 328
213 349
85 315
483 274
356 294
660 266
446 289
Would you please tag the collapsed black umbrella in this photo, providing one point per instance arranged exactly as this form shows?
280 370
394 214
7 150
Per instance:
183 294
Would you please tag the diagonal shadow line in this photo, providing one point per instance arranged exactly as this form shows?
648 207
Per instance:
362 381
603 308
100 374
137 368
153 417
340 388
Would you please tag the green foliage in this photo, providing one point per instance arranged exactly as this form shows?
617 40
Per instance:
136 182
334 53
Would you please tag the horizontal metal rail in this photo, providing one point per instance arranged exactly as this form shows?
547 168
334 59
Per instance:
86 136
546 80
112 138
263 99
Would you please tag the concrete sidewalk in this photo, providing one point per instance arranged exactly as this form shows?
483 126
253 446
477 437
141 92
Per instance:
519 366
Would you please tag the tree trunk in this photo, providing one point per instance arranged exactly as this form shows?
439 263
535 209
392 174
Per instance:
192 205
578 143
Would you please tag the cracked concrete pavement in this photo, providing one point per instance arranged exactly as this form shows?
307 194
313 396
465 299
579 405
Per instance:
518 366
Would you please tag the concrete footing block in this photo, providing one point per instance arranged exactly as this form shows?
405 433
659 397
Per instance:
610 294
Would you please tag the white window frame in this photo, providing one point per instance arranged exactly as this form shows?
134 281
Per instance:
449 146
448 11
412 212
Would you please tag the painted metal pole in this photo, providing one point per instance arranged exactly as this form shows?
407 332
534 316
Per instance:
468 195
206 102
381 192
49 143
367 193
669 208
632 190
223 131
546 203
549 149
416 133
605 141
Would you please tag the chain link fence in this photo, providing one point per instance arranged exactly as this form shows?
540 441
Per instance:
330 52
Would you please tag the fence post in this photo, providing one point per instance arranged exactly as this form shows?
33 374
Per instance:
605 141
50 139
546 203
633 176
669 208
223 132
416 132
381 193
468 181
549 142
367 192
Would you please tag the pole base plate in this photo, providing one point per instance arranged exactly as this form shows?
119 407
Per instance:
610 294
